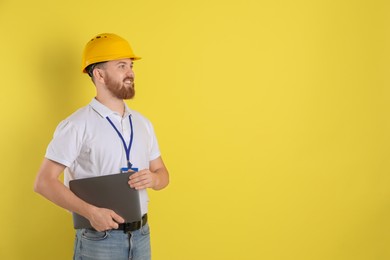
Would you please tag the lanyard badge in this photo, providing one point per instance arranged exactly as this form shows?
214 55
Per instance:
127 148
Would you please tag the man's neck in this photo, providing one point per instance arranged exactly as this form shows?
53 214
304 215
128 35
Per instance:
116 105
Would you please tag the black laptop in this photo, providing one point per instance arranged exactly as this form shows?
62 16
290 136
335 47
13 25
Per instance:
108 191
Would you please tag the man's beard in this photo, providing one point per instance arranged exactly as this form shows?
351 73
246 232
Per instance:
118 88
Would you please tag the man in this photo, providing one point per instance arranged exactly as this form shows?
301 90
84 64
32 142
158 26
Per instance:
105 137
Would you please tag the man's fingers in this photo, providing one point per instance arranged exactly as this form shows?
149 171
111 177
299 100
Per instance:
142 184
141 180
105 219
117 219
137 175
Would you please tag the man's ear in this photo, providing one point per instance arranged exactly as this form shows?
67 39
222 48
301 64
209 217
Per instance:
98 74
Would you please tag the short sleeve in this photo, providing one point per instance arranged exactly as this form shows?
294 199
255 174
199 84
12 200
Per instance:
65 146
154 148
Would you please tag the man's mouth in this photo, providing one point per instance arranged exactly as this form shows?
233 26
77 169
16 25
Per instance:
126 80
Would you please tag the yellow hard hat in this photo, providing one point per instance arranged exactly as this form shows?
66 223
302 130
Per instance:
106 47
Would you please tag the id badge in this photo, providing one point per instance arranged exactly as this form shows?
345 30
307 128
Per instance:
125 169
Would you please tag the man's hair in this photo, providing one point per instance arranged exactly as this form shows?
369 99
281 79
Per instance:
91 67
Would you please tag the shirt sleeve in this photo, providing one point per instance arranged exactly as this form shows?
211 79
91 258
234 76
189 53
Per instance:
154 148
65 145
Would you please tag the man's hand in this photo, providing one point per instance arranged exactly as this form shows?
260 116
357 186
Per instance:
143 179
104 219
156 177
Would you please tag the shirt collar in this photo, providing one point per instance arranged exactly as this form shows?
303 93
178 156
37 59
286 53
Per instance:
104 111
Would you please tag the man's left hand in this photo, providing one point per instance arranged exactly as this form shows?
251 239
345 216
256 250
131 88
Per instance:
142 179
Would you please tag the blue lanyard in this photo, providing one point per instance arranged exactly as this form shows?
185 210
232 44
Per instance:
127 149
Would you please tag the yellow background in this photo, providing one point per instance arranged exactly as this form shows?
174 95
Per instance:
272 117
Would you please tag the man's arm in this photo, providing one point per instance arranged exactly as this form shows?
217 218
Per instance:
47 184
156 177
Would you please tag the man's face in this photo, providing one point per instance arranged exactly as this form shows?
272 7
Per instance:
119 78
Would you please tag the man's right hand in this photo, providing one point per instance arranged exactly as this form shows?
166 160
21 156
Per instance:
104 219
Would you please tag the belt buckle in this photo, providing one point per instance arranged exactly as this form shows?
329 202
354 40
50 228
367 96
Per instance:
129 227
126 228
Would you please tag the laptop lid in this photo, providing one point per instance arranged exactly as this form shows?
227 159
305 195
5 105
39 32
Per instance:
108 191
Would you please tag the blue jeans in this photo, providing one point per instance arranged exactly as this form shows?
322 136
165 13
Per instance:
112 245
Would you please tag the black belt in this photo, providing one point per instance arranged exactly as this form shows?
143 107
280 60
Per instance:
129 227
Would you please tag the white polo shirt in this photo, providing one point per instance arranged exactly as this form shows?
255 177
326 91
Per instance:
88 145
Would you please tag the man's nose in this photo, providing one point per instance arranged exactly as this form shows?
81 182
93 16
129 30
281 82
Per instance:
130 72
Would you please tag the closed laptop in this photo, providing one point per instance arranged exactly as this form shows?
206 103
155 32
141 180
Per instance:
108 191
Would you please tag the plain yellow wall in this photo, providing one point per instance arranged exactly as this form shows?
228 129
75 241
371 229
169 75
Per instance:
272 116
